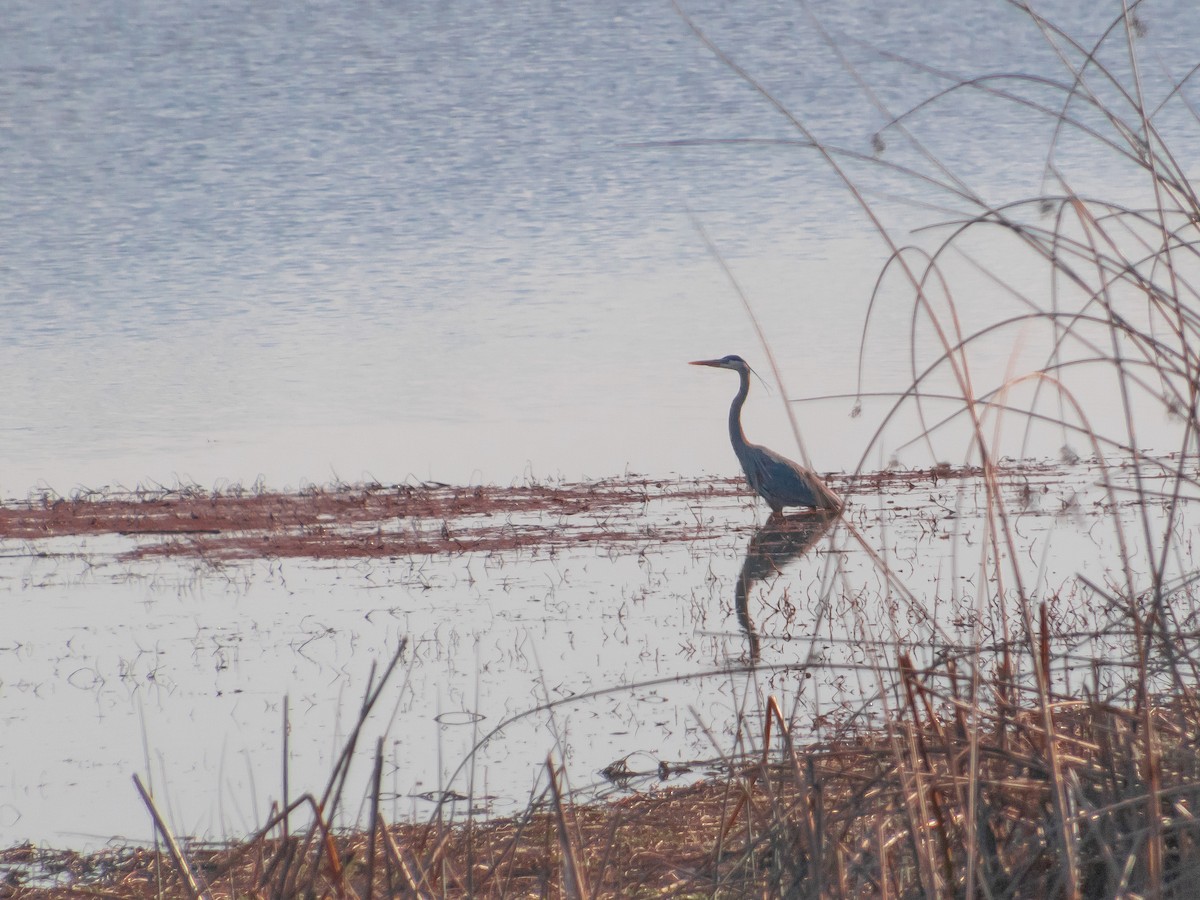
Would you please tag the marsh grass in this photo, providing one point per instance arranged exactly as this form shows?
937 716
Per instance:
1018 765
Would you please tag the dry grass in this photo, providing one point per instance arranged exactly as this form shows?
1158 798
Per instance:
368 520
373 521
886 815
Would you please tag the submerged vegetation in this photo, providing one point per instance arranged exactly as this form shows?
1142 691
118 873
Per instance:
1012 758
364 521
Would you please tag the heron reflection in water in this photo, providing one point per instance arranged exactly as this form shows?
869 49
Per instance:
779 542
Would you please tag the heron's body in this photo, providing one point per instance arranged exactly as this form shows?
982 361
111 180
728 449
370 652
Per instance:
773 477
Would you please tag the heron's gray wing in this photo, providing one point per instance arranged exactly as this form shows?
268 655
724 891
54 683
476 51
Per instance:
787 483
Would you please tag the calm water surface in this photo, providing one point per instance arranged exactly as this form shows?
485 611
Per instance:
386 240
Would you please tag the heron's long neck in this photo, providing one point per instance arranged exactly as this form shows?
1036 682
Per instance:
736 436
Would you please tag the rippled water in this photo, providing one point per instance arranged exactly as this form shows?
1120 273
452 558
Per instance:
440 239
453 241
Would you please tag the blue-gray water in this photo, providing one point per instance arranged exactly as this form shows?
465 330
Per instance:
383 239
449 240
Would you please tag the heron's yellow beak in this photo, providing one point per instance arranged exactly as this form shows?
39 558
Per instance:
715 363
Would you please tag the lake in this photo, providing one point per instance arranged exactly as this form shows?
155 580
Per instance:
394 243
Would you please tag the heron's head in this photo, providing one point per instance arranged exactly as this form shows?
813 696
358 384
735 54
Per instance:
732 361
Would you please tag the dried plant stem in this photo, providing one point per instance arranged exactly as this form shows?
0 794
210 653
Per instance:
573 883
181 864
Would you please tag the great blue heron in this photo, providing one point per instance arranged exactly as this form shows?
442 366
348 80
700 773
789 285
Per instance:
776 478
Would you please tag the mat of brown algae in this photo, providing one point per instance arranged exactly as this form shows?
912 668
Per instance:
399 520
